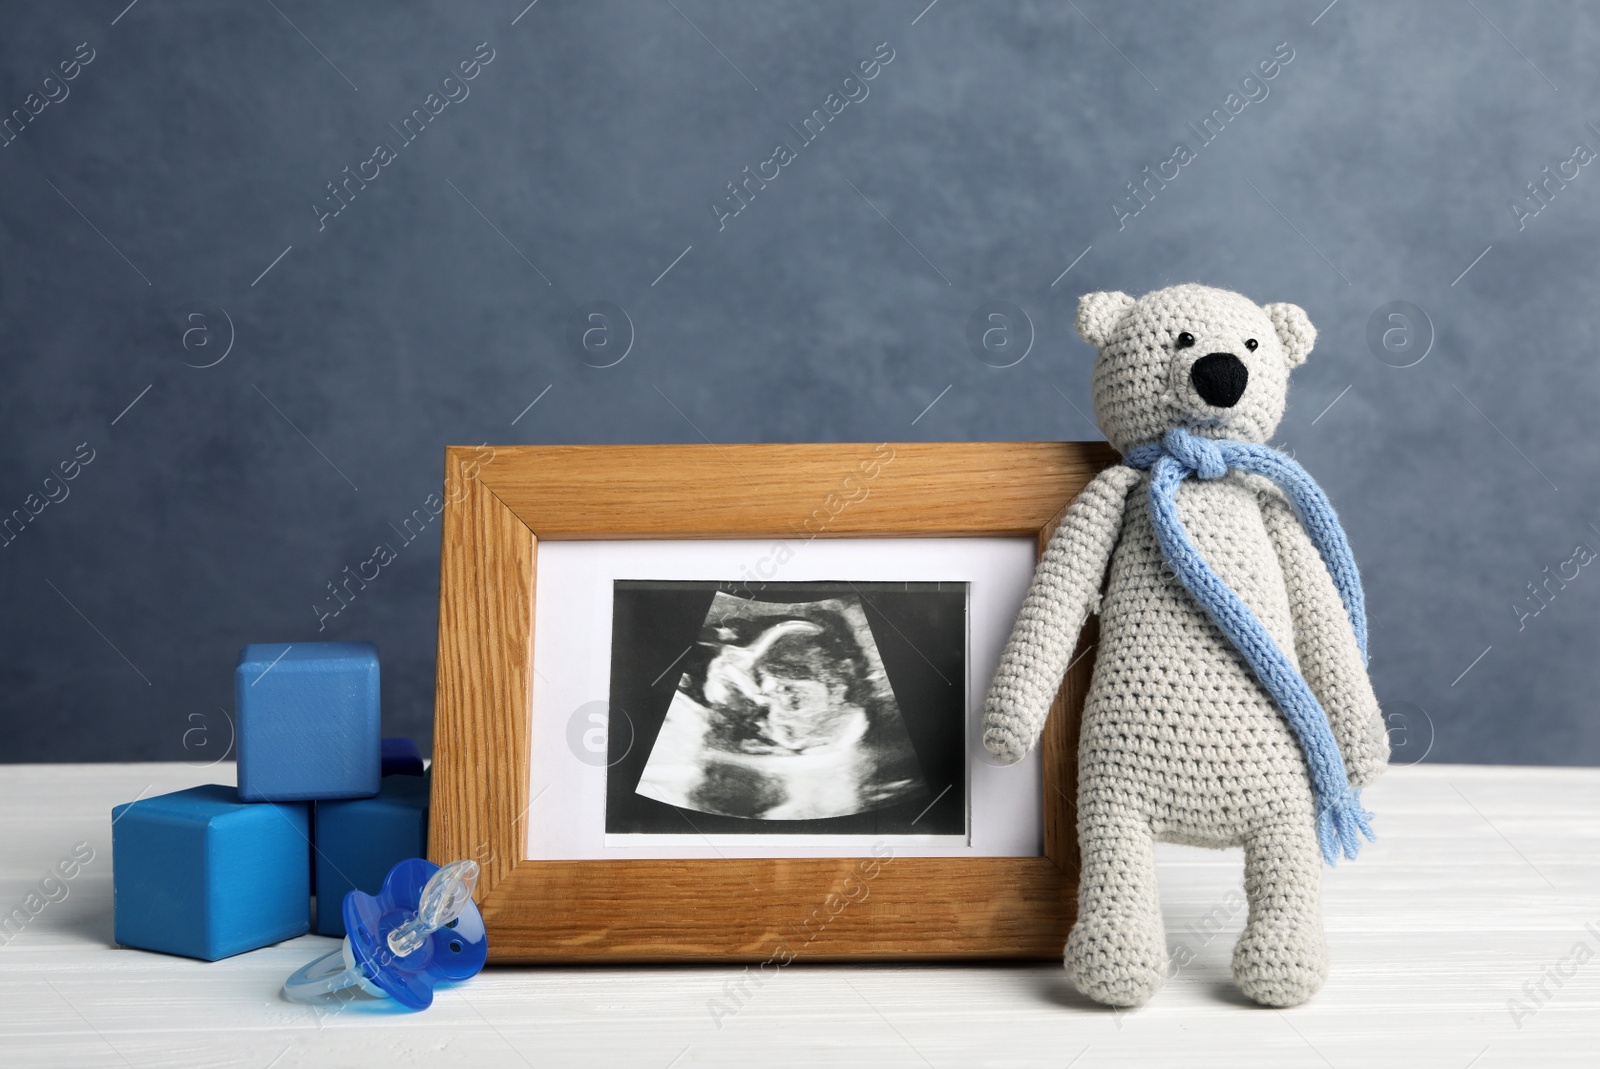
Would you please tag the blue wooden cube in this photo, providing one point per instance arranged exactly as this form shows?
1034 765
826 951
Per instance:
401 758
359 841
308 721
203 874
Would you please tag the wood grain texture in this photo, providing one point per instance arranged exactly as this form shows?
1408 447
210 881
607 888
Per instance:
762 490
745 910
480 734
780 910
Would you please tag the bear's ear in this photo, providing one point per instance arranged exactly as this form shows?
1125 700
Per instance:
1294 329
1099 314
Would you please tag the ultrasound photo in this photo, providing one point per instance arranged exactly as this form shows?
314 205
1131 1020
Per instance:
796 708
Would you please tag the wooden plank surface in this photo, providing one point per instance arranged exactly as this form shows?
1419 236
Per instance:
1482 880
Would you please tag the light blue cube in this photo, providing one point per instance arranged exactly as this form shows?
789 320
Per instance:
308 721
203 874
360 840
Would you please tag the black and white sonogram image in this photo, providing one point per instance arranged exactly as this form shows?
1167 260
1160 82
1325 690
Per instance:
797 708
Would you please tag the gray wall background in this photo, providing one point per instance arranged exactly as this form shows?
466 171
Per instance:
147 214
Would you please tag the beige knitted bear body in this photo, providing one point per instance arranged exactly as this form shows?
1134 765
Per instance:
1180 742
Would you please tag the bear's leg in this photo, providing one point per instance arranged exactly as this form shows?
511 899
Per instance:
1117 952
1282 957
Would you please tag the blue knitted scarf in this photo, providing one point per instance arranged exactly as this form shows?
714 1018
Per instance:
1181 454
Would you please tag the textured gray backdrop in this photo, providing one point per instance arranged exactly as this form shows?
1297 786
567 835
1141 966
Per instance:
160 213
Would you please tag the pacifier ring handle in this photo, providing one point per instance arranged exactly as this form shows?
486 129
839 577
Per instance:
329 973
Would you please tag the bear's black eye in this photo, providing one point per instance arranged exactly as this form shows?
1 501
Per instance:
1251 343
1185 340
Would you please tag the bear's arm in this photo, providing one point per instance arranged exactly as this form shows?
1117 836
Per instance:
1325 644
1065 586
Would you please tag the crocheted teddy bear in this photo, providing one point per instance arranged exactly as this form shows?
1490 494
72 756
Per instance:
1230 703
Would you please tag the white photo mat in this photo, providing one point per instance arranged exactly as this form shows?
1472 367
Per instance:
572 646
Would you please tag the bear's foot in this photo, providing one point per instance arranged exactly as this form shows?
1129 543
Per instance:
1117 961
1279 962
1117 952
1282 957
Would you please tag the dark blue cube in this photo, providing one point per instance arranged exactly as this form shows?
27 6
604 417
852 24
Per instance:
203 874
401 758
359 841
308 721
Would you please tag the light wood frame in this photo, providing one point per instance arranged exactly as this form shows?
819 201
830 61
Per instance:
502 501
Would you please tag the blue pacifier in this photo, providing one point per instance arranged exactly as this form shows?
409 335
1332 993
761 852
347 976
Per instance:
420 930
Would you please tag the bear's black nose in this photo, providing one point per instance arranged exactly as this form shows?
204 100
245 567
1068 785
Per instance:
1219 379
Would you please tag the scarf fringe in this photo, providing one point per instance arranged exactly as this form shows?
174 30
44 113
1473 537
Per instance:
1338 826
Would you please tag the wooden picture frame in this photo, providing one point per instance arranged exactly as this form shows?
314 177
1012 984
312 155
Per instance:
502 501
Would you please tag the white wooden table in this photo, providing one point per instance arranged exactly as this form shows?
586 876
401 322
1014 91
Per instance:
1484 880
